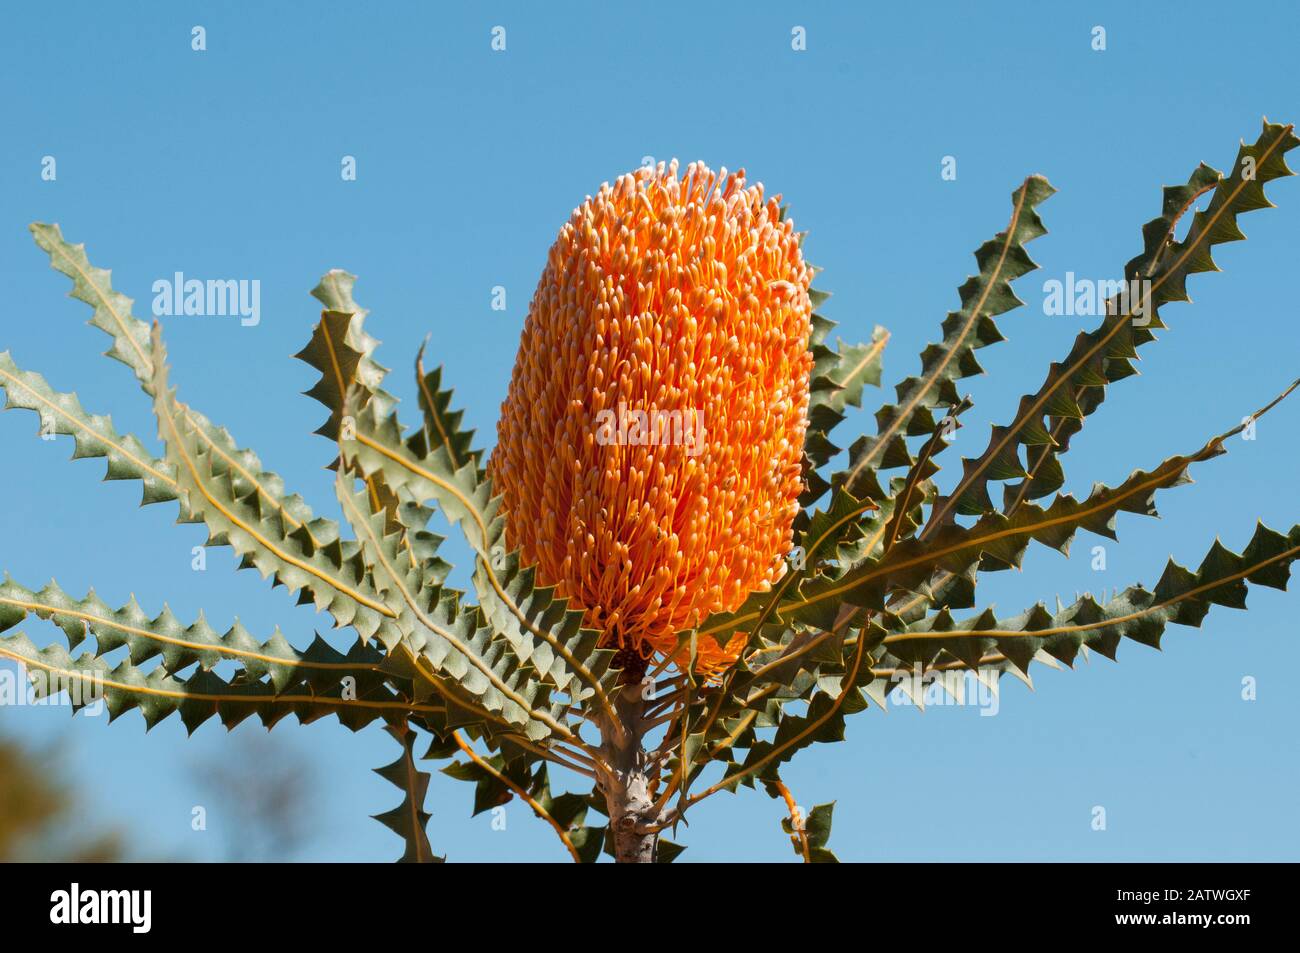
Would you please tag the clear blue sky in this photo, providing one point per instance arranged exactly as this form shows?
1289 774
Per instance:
226 163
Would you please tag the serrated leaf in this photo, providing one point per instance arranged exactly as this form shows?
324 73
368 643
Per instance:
432 624
94 435
1075 387
1181 596
1001 260
995 540
838 377
112 309
196 698
409 820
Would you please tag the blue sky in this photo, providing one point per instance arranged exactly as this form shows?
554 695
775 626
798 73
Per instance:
226 163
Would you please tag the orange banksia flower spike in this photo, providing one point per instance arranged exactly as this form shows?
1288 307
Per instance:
649 449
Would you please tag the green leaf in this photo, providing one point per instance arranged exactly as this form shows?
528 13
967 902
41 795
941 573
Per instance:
1181 596
197 698
838 377
320 668
1075 387
666 851
410 519
442 423
344 368
328 352
306 558
1001 260
112 310
343 353
409 820
817 829
823 721
1044 473
818 825
498 778
334 292
996 541
431 623
95 436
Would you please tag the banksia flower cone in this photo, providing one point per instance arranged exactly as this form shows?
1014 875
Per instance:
649 449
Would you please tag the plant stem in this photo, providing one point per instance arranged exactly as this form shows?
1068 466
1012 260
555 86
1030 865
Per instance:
626 783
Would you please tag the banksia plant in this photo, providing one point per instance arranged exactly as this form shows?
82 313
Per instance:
680 581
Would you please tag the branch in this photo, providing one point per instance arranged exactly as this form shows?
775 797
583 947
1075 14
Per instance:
800 836
520 793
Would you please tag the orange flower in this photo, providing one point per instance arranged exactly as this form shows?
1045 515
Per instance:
649 448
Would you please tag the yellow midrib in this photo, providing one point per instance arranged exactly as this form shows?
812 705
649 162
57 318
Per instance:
1100 623
209 696
95 620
